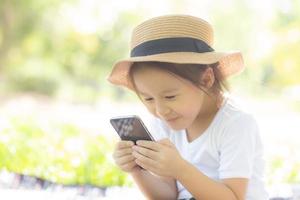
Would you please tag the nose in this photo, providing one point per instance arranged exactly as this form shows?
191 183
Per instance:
161 109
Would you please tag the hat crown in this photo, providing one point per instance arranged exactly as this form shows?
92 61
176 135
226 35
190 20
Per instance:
171 26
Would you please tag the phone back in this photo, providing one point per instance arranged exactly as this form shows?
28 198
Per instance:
130 128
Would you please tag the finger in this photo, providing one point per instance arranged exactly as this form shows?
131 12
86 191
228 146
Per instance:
149 144
128 166
145 166
166 142
124 144
141 164
146 152
145 160
120 153
125 159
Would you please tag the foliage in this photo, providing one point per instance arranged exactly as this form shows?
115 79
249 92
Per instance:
284 58
60 153
41 52
282 170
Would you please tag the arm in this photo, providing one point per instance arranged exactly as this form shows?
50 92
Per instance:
237 147
202 187
155 187
163 159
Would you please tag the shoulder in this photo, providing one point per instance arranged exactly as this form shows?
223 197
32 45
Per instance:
234 115
236 123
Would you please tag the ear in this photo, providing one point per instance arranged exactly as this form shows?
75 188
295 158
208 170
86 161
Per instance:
208 78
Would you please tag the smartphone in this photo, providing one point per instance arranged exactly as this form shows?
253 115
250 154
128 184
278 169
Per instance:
131 128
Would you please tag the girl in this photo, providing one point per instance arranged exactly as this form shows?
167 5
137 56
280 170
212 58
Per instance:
206 147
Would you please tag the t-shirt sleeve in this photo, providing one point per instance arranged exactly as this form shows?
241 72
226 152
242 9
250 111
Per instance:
237 147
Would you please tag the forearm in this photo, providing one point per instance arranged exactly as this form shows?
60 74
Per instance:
201 186
154 187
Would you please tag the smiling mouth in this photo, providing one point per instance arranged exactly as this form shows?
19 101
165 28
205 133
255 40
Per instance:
171 120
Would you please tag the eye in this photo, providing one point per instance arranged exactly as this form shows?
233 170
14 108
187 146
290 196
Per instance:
148 99
170 97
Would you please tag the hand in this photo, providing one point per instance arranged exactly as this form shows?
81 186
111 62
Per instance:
161 157
123 156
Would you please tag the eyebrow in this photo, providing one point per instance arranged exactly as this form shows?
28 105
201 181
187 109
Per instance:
162 92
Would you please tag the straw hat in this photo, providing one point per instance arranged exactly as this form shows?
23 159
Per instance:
179 39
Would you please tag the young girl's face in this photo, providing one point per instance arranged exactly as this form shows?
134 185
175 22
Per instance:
169 97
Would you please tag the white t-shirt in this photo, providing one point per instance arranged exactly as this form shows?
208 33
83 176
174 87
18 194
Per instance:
229 148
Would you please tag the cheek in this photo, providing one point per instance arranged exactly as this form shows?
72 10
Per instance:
191 108
151 109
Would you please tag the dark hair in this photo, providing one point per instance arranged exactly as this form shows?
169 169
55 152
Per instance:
191 72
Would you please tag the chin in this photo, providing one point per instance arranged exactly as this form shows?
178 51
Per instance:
178 124
176 127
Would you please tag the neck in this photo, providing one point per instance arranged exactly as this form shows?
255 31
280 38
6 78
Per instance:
204 118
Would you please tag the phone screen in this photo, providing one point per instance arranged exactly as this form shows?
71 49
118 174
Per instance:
131 128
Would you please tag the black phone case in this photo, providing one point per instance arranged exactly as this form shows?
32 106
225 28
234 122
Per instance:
131 128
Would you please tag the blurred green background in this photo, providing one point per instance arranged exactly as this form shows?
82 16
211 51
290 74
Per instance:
55 57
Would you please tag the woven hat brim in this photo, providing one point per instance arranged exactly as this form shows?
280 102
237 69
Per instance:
230 63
